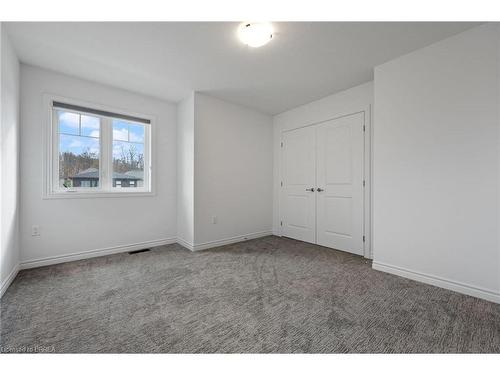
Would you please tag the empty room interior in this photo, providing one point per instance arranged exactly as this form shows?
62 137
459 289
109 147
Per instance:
250 187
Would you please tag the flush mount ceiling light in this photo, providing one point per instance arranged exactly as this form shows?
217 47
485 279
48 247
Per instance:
255 34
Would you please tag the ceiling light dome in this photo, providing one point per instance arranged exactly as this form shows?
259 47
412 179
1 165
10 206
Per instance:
255 34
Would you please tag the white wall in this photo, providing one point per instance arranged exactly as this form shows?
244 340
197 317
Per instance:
359 98
233 171
185 171
9 138
436 164
72 226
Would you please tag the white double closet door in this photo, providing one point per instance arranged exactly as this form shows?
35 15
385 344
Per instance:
322 183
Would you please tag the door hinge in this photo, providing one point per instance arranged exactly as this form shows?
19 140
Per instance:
364 183
363 238
281 183
281 223
281 144
364 128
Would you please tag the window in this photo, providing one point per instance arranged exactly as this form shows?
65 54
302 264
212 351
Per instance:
93 151
128 153
79 149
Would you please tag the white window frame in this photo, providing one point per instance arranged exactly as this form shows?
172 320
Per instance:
52 190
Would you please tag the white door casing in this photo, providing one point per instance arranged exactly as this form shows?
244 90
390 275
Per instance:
339 173
299 174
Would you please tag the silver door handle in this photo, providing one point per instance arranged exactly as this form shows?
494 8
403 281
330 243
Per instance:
319 190
311 189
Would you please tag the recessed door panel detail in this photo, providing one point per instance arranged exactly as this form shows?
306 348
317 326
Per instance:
338 216
298 211
297 167
338 155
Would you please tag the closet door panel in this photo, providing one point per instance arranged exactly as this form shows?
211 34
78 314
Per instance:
339 168
298 206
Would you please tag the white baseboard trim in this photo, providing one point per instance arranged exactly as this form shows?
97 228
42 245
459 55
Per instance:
94 253
225 241
188 245
455 286
230 240
125 248
9 279
137 246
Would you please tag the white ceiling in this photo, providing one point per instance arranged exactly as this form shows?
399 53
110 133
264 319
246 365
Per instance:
304 62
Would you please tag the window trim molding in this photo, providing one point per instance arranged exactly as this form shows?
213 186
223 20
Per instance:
50 191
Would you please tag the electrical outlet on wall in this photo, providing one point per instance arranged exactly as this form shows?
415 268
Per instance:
35 230
214 219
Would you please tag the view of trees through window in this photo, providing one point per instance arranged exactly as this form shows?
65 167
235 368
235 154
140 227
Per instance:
80 149
72 164
128 154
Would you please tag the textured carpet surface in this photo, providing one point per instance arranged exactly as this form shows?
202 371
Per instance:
264 295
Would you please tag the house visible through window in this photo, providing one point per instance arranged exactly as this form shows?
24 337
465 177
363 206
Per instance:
79 149
99 151
128 154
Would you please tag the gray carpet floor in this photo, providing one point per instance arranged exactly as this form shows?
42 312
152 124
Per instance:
265 295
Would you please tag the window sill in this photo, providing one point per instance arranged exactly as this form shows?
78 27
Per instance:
101 194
